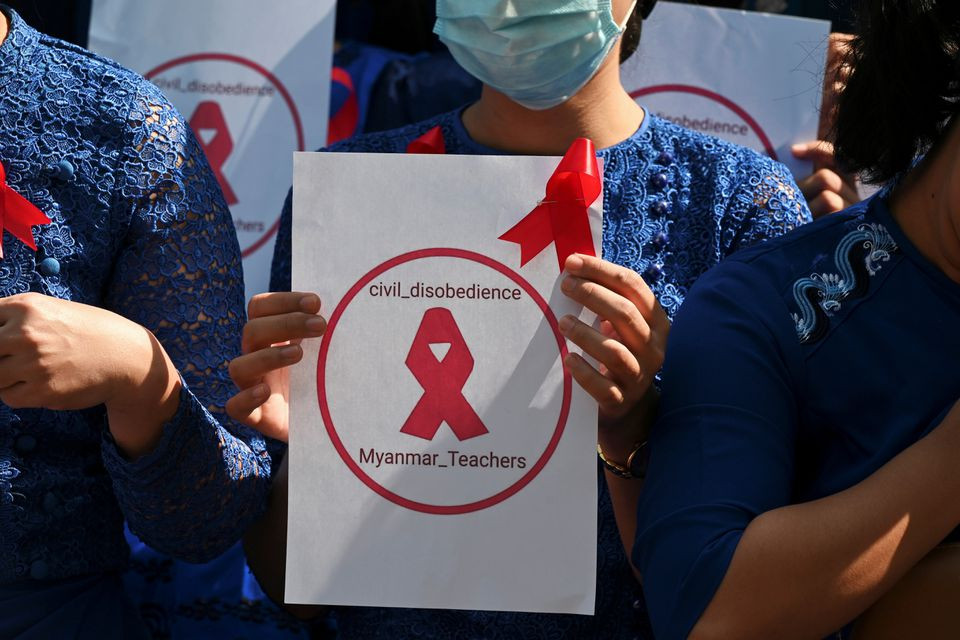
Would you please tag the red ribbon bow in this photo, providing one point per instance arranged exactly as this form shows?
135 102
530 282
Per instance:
561 217
430 142
442 380
17 214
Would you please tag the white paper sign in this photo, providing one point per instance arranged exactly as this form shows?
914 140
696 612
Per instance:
254 83
440 457
751 78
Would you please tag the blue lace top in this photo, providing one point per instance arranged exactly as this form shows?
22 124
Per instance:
675 203
139 228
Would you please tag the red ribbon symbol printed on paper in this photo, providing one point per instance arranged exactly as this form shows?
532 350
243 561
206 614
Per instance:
442 380
562 217
17 214
208 118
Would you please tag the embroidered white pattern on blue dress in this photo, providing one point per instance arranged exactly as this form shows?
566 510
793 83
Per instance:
858 257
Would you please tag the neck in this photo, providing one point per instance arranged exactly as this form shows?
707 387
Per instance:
927 206
4 26
602 111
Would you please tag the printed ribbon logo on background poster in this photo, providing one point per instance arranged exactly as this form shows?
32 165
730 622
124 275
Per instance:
442 395
248 125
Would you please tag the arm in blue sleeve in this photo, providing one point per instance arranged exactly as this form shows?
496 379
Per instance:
766 204
722 450
178 273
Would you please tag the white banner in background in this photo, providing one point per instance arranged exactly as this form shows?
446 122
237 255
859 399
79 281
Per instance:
751 78
253 83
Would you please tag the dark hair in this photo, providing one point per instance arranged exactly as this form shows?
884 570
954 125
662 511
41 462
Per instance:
399 25
630 39
904 86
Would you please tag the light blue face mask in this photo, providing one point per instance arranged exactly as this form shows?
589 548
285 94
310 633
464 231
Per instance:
537 52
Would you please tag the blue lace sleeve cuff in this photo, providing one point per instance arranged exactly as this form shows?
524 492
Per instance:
173 497
166 456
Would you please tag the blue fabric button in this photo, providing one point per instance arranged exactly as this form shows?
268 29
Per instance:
39 570
653 273
665 158
660 180
65 170
660 208
49 267
25 443
661 240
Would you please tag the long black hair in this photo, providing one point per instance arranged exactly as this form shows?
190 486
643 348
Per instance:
904 87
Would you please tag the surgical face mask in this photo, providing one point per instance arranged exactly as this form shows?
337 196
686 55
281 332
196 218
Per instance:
537 52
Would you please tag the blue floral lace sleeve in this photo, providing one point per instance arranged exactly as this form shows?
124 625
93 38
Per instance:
178 273
766 204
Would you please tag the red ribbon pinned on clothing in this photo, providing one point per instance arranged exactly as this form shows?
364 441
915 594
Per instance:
344 123
430 142
442 380
209 116
561 217
17 214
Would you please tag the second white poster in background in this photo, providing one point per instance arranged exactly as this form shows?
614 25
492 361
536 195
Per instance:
254 85
751 78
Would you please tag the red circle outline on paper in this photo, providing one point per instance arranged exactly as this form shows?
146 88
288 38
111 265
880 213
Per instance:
716 97
275 81
325 410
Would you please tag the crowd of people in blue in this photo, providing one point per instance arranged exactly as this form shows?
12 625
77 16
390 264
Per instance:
792 467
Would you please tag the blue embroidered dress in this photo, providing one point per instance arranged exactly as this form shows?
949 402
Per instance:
675 203
139 228
795 370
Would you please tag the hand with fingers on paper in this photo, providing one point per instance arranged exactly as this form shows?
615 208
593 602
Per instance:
628 346
277 323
